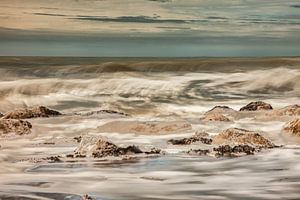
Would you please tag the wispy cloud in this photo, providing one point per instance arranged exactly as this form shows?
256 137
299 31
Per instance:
153 16
50 14
132 19
210 22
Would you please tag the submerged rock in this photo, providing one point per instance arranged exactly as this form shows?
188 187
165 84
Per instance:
99 147
12 126
153 151
215 117
234 151
293 127
200 152
53 159
221 110
257 105
98 112
78 138
235 136
146 128
24 113
87 197
226 151
292 110
153 178
202 137
49 159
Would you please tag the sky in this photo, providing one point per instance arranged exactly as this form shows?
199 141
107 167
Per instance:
150 28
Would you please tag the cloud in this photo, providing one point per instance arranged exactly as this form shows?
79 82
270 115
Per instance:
161 1
213 17
157 18
50 14
295 6
132 19
279 21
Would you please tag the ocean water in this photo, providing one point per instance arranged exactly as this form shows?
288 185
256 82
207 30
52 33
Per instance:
148 90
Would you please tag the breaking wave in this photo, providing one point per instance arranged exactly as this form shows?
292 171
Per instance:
145 90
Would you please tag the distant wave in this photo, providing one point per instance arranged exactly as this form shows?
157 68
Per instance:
57 67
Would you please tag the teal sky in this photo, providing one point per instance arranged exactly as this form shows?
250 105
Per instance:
149 28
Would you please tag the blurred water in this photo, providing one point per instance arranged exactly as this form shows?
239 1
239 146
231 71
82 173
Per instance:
147 96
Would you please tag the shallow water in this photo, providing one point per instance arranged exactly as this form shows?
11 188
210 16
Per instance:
146 95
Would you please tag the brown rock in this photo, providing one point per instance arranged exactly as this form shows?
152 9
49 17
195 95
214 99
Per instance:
12 126
221 110
293 127
202 137
99 147
235 136
215 117
1 115
146 128
258 105
292 110
24 113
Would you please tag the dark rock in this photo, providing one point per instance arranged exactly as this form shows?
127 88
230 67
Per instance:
105 149
257 105
132 149
24 113
199 152
202 137
50 159
235 136
77 155
153 151
53 159
153 178
293 127
1 115
87 197
49 143
98 112
12 126
78 138
227 150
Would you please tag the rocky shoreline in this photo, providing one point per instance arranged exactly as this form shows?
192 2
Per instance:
231 142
